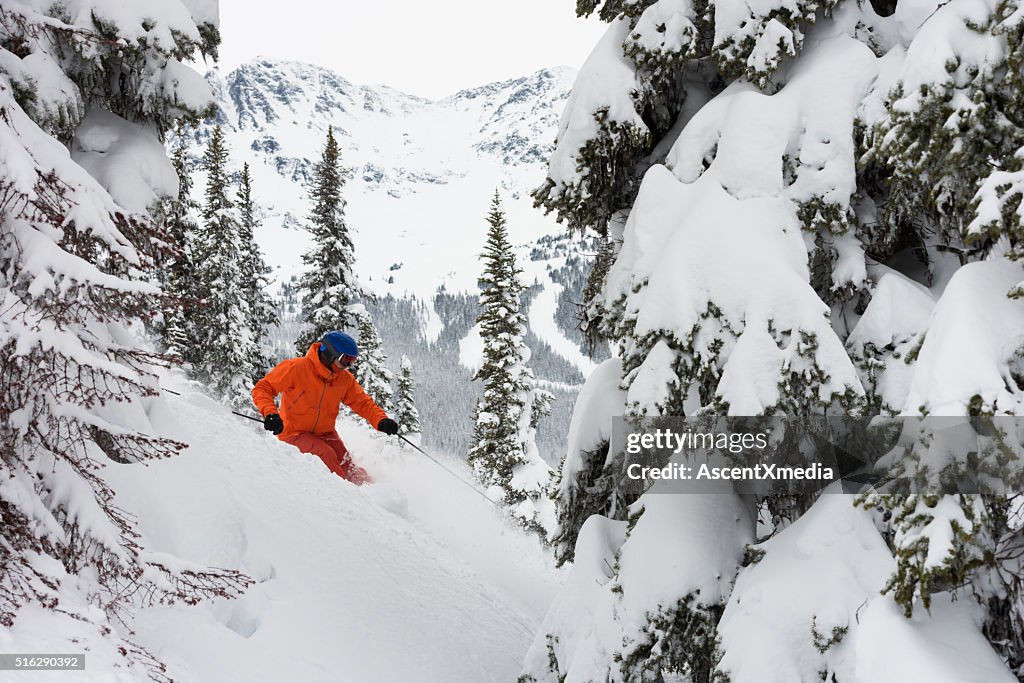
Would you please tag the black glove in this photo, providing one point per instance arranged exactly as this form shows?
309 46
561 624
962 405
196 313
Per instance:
388 426
273 423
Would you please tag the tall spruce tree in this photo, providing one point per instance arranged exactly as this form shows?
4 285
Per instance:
406 415
328 285
76 261
504 453
371 370
261 313
224 360
180 278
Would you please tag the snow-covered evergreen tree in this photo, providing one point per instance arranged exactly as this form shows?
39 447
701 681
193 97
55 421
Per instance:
78 251
371 369
180 278
261 313
406 415
328 285
953 139
504 454
224 354
798 202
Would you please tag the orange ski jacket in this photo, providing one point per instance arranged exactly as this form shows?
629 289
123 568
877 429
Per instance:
311 396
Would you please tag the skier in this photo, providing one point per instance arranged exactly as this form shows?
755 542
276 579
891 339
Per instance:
312 388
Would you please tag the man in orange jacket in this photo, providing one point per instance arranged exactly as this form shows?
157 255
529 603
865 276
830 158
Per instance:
312 390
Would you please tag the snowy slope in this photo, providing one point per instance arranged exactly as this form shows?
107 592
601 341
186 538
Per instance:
408 579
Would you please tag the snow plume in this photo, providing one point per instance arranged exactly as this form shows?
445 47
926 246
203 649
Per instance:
76 253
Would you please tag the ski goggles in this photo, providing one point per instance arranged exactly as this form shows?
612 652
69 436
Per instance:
345 361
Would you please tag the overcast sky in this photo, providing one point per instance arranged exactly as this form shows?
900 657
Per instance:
430 48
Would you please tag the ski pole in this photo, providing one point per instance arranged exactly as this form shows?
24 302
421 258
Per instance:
438 463
247 417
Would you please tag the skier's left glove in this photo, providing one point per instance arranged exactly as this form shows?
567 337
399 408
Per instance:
273 423
388 426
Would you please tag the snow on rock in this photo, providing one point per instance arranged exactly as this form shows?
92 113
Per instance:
410 157
975 334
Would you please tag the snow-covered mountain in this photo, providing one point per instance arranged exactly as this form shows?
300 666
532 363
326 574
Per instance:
422 171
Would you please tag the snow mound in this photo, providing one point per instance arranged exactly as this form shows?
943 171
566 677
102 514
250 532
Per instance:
975 336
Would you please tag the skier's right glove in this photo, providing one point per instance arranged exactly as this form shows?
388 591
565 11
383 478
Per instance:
388 426
273 423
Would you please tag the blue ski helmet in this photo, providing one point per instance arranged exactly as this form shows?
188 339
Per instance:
337 344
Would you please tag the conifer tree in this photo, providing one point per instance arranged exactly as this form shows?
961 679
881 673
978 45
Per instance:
261 313
504 452
224 350
328 285
953 146
180 278
72 380
406 415
870 252
371 369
